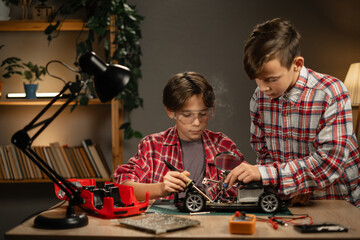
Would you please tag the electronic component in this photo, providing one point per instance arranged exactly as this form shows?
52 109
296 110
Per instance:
242 223
159 223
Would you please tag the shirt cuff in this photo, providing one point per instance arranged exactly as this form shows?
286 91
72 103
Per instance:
269 175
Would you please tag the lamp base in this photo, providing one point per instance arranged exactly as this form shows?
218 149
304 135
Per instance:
59 220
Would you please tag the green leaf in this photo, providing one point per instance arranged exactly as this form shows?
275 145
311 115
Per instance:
128 133
127 41
125 125
84 101
138 134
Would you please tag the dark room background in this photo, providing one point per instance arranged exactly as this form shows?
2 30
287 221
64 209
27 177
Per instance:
206 36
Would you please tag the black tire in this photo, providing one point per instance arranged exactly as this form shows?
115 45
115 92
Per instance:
269 202
194 202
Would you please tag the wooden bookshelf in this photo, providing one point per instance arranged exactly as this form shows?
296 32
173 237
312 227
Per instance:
116 106
47 180
85 161
42 102
39 25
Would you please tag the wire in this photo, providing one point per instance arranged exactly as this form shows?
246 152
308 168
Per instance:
64 64
284 220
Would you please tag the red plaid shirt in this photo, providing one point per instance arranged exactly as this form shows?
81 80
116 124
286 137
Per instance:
305 141
147 165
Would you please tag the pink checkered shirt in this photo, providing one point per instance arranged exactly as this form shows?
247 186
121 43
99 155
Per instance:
305 141
147 165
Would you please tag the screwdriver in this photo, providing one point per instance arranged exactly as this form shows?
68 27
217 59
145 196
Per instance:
190 184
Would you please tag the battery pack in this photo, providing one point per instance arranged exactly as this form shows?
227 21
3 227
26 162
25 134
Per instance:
241 223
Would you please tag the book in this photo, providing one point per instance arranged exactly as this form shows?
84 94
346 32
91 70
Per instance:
104 173
68 162
102 157
59 162
50 158
55 148
16 161
27 165
87 162
3 165
36 169
8 163
86 143
81 161
39 151
72 158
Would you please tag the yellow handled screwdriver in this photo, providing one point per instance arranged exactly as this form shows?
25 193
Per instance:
190 184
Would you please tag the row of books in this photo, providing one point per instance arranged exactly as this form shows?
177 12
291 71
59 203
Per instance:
84 161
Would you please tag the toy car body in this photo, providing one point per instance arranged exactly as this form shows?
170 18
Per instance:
248 196
251 196
112 201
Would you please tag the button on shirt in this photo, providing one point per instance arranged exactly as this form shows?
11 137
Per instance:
147 165
304 139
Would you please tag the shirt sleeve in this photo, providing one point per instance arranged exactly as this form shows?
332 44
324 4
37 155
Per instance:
137 168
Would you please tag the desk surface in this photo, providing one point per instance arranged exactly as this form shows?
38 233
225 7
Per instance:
211 227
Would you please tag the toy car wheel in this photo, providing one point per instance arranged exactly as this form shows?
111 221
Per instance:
269 202
194 202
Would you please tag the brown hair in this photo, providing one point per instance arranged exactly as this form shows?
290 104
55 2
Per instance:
182 86
276 38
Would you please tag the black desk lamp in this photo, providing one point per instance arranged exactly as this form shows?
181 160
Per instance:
109 80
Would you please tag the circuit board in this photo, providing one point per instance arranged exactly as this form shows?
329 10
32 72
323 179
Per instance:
159 223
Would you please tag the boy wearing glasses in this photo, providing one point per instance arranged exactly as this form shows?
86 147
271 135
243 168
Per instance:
301 122
188 146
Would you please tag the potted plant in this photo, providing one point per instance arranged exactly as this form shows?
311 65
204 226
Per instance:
9 66
32 74
126 41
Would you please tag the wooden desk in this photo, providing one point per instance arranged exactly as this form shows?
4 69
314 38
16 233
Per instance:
211 227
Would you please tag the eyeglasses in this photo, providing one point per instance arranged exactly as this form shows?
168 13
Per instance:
187 117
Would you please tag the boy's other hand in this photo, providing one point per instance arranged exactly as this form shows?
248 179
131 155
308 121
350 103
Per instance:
175 182
243 173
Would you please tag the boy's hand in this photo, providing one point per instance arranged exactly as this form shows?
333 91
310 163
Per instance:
175 182
244 173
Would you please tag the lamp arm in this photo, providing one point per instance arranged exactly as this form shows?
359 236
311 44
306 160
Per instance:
23 141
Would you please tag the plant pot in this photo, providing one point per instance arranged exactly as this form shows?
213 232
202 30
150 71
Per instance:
30 90
4 11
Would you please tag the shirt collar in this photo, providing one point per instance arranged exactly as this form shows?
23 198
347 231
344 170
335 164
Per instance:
295 92
172 137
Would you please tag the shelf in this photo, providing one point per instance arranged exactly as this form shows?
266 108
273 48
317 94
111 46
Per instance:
42 102
116 107
40 25
48 180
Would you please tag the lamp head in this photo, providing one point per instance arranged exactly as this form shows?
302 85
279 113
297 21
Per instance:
352 83
109 80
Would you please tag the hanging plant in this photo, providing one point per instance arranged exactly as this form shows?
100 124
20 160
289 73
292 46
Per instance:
126 41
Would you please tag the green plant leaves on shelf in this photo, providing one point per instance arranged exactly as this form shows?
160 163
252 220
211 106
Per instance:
127 35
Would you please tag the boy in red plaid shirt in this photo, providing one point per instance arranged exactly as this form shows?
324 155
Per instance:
189 100
301 122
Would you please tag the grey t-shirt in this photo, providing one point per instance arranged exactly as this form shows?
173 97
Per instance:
193 157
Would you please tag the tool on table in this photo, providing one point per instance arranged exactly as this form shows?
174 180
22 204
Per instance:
242 223
190 184
317 228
